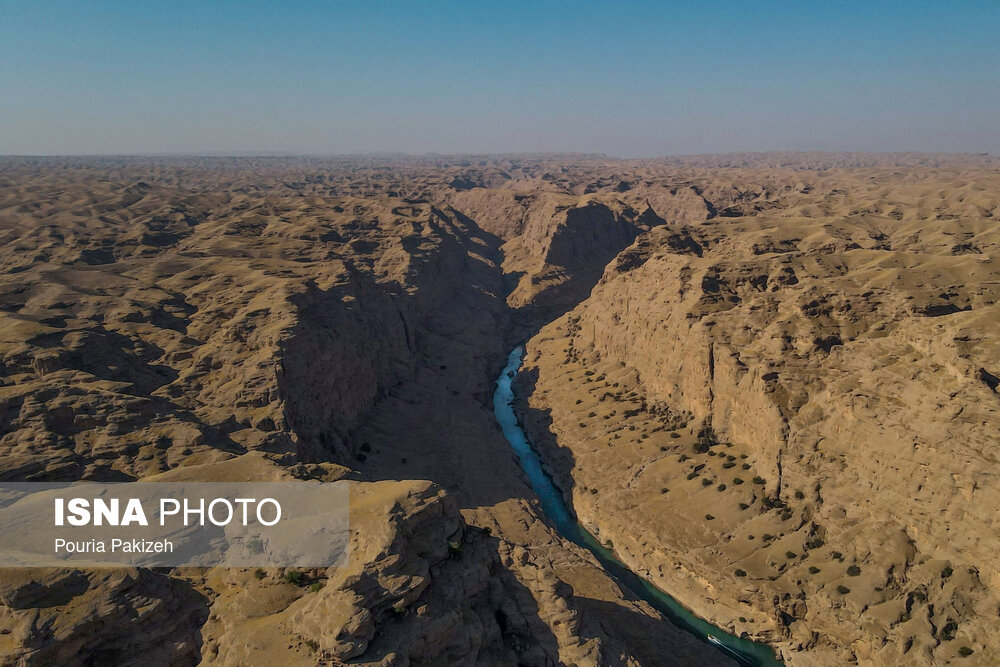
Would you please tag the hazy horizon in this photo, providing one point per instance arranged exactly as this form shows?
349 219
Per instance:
449 78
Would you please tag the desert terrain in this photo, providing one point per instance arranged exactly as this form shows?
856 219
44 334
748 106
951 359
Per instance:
768 382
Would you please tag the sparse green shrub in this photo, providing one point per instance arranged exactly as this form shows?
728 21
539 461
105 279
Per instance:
836 555
965 651
790 555
813 569
853 571
814 543
737 481
692 475
948 631
721 487
293 577
759 480
259 573
312 644
706 482
683 457
316 587
842 589
745 466
946 572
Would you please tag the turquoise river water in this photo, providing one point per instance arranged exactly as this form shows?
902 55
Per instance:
746 652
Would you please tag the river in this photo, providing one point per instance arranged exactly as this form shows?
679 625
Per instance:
746 652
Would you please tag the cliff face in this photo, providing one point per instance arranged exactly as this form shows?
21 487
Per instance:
180 322
808 391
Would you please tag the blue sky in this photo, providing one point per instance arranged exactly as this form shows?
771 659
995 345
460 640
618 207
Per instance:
627 79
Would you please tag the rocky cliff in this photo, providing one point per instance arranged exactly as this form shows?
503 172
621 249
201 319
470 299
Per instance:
796 405
262 320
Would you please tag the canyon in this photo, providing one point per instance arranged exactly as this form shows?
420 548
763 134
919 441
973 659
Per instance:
767 382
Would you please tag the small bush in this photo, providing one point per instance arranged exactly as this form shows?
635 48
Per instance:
948 631
853 571
744 506
740 573
721 487
843 590
800 495
728 464
814 570
814 543
259 573
965 651
745 466
836 555
706 482
664 490
316 587
790 555
675 435
293 577
579 401
692 475
737 481
709 517
759 480
946 572
683 457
